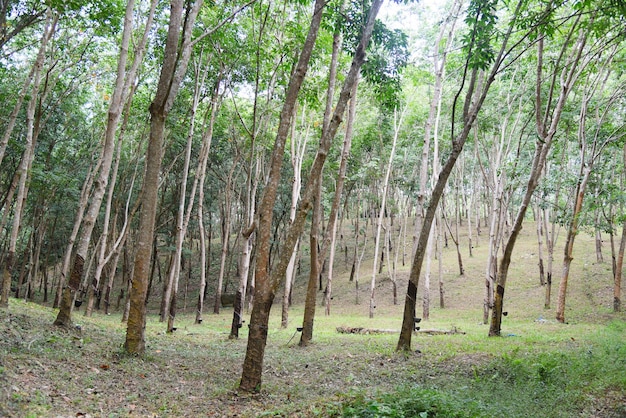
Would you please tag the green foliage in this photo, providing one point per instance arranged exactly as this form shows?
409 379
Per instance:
105 15
412 402
517 384
387 53
387 56
481 20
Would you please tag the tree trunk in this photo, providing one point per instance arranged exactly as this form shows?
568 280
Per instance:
176 58
539 221
184 210
427 272
298 146
26 162
311 292
207 136
382 209
569 245
67 258
442 292
473 103
226 220
546 133
330 237
124 78
263 292
617 286
265 284
588 157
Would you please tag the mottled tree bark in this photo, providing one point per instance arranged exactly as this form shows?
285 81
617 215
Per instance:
176 58
547 124
263 292
266 285
26 162
125 77
474 100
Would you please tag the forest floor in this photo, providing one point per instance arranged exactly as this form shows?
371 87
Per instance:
539 368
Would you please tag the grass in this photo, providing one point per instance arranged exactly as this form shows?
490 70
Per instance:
538 368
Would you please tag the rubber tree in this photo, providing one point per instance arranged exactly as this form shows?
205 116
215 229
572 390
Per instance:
592 141
267 283
481 66
574 56
27 157
125 76
263 293
177 53
175 60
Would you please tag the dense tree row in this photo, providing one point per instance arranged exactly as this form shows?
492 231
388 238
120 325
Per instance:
148 146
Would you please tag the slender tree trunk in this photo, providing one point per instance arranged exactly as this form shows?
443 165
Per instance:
184 211
82 206
331 229
263 292
266 285
124 79
546 133
92 290
330 240
617 285
246 253
492 256
381 213
226 220
588 157
427 271
176 58
539 220
439 227
26 162
311 292
569 246
473 103
619 261
298 146
599 257
207 136
16 109
360 258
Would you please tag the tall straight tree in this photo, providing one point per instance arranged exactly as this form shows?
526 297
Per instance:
397 123
442 47
125 76
317 253
480 57
185 209
591 144
341 178
570 64
178 48
263 293
297 148
175 60
266 283
27 157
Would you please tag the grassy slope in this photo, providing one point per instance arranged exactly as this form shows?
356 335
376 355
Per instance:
540 369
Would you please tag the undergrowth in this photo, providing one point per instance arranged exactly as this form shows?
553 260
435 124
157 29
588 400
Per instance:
561 383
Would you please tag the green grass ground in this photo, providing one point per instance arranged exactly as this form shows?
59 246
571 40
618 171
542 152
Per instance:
539 368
